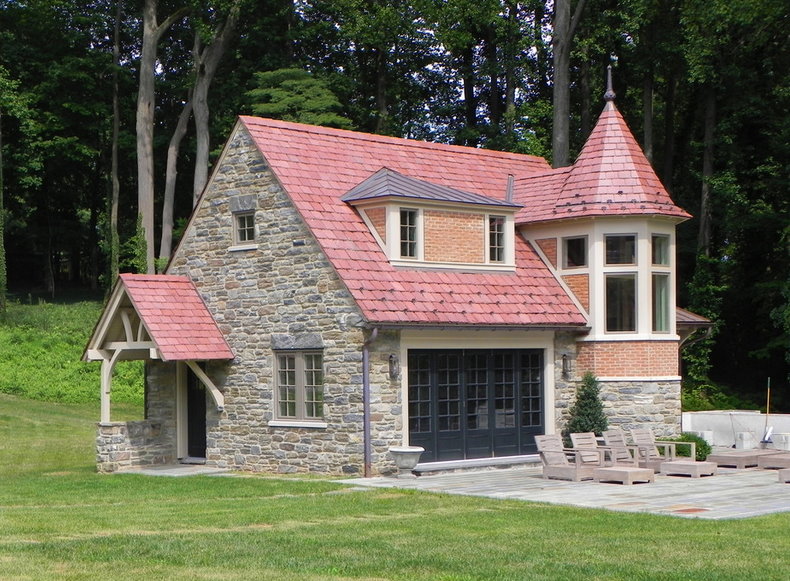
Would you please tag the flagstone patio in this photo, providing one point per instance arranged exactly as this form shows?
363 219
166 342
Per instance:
729 494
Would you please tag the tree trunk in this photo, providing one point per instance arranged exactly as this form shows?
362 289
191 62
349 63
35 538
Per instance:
564 29
206 64
586 99
668 167
647 118
705 218
145 123
116 129
470 101
382 107
166 244
510 69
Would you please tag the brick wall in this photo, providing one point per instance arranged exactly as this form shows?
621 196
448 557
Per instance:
454 237
629 358
549 247
580 285
378 217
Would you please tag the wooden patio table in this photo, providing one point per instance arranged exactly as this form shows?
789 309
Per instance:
623 474
739 458
688 468
774 461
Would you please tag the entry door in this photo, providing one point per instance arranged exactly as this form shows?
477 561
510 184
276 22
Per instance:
475 403
196 417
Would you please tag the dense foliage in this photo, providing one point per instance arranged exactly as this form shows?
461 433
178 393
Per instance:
41 346
704 84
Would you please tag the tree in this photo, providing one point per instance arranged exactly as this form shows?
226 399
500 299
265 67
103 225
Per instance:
296 95
586 413
562 38
146 97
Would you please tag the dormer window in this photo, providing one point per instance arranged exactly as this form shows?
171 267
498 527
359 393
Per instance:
408 232
423 224
496 238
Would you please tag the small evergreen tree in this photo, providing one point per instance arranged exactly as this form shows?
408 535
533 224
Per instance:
587 411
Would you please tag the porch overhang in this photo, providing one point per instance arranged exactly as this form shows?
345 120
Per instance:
156 317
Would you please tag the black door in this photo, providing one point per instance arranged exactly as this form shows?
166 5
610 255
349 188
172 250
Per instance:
475 403
196 417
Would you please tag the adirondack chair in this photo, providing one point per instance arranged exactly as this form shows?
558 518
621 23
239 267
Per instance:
621 452
649 454
587 441
565 463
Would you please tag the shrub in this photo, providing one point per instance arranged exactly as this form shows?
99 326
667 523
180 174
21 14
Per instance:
703 448
586 414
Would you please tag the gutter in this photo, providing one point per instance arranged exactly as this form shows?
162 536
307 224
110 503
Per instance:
368 452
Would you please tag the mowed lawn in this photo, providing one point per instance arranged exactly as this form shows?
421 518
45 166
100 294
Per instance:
61 520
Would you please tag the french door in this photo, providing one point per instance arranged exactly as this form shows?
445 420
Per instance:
475 403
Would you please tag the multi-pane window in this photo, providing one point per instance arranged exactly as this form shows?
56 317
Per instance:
300 385
660 303
408 233
620 249
245 227
574 252
620 303
496 238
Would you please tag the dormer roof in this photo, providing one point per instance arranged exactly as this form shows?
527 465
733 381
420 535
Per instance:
611 177
387 183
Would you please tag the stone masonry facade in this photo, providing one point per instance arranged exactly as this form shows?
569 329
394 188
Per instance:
283 287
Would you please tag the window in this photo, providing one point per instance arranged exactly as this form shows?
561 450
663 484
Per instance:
620 249
574 252
245 227
300 386
408 233
660 303
660 250
496 238
620 303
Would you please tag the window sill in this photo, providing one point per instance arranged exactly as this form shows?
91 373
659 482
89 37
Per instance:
242 247
298 424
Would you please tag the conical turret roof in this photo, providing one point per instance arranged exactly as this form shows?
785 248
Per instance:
611 177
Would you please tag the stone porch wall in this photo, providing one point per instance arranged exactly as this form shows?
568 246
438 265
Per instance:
124 445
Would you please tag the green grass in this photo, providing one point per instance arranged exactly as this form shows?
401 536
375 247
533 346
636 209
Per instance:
59 519
41 347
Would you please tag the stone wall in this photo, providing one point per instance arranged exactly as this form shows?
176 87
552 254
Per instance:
282 285
123 445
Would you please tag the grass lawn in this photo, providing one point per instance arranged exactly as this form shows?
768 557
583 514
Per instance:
59 519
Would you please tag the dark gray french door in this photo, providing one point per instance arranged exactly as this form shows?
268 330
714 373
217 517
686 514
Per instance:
475 403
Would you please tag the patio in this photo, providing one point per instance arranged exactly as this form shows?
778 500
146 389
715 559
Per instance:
728 495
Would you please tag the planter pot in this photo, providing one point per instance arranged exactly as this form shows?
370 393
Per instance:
406 458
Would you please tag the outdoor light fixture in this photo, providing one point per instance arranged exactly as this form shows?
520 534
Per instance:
394 364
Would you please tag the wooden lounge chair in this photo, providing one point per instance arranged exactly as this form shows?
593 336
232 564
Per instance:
589 441
565 463
648 449
621 453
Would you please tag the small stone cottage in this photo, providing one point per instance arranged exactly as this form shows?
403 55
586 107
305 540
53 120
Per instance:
338 293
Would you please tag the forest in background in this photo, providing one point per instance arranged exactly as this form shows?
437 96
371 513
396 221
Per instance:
111 112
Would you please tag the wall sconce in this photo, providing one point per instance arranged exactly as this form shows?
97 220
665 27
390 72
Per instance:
567 366
394 365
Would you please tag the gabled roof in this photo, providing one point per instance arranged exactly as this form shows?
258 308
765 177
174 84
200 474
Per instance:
611 177
317 166
164 311
387 183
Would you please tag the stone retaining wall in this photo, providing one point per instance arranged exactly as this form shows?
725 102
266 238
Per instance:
123 445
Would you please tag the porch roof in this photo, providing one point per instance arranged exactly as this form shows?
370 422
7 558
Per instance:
157 316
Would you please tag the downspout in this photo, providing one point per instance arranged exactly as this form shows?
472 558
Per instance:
366 400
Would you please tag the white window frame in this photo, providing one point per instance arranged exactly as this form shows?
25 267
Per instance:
501 235
247 244
418 231
564 250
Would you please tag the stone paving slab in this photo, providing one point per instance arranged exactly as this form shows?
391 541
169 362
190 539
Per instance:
730 494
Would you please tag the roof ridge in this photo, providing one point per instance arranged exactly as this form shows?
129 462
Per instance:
405 141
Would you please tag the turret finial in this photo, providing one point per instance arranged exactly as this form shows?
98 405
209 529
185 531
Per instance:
609 95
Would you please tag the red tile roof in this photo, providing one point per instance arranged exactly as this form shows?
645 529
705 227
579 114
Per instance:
611 177
175 316
318 165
